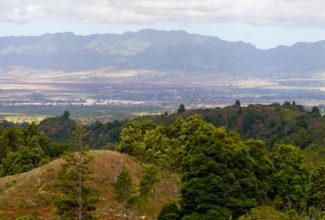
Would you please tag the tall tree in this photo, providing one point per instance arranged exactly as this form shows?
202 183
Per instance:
218 176
181 109
237 103
262 168
78 199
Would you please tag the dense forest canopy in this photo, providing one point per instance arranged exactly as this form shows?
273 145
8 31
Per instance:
287 123
233 162
222 174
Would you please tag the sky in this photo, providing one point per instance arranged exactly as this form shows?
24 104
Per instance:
264 23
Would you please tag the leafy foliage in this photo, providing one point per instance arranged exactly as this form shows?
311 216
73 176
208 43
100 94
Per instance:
219 179
124 191
154 144
181 109
269 213
275 123
24 159
101 134
223 175
316 192
291 176
76 193
147 187
170 211
22 149
58 129
77 199
147 181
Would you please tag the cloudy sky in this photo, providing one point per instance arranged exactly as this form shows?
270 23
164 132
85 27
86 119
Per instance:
264 23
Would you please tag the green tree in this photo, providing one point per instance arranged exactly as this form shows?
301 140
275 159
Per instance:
131 139
160 149
23 149
170 211
15 138
28 153
290 178
269 213
24 159
58 129
263 168
123 191
237 103
181 109
302 138
315 111
316 191
66 115
78 198
218 176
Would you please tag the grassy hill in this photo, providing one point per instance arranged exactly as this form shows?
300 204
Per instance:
32 192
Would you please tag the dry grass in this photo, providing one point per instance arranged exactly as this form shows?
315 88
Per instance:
33 192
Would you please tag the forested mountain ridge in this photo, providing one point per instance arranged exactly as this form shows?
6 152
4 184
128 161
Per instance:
274 123
160 51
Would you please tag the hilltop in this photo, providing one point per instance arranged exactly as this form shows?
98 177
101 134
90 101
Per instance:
32 191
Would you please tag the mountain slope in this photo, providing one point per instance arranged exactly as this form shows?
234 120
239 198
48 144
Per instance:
158 50
31 192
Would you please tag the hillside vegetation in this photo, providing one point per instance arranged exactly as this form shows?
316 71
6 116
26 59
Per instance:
233 162
32 192
274 123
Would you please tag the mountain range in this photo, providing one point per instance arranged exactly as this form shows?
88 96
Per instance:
169 51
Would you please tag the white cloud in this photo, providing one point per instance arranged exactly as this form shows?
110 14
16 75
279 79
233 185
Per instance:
257 12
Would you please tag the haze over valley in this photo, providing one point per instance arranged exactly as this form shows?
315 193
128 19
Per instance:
153 69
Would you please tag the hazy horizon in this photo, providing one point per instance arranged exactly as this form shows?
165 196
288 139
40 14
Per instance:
167 30
265 24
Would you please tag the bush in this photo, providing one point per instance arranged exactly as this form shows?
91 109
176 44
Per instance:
170 211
